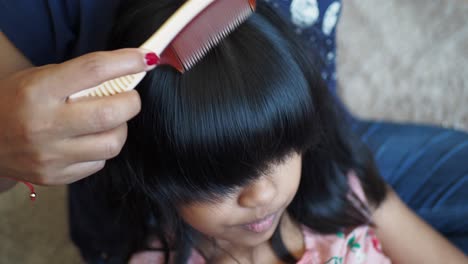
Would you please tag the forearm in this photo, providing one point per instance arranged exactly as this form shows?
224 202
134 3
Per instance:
408 239
12 59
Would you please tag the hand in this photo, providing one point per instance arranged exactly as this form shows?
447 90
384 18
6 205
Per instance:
48 140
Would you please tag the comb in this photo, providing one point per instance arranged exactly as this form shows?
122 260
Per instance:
184 39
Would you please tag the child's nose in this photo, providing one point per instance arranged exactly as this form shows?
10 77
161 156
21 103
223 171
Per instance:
259 193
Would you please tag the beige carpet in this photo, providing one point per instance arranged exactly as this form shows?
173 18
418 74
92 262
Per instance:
399 60
405 60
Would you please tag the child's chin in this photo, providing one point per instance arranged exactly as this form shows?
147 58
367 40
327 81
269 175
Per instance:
252 239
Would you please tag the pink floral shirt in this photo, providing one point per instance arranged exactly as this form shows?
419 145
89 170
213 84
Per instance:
359 246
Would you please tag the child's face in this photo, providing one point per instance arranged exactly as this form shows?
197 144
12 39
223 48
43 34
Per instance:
249 216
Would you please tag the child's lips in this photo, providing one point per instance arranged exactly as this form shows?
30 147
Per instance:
261 225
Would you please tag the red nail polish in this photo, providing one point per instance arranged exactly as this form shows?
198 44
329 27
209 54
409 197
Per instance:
151 59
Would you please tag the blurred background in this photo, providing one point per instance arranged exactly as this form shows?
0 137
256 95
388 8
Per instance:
405 60
397 60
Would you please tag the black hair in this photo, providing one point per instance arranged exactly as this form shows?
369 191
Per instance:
255 98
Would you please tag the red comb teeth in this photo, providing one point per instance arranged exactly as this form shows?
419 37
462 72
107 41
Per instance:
183 39
205 31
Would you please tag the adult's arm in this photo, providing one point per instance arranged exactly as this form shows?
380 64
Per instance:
11 59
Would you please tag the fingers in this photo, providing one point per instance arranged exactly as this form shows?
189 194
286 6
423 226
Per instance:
93 69
78 171
102 146
100 114
83 156
89 154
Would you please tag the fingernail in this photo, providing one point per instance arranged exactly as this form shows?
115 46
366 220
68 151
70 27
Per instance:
151 59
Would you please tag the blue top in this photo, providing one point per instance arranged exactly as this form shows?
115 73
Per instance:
49 31
54 31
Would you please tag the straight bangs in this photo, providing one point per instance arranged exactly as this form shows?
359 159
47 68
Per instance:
241 109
